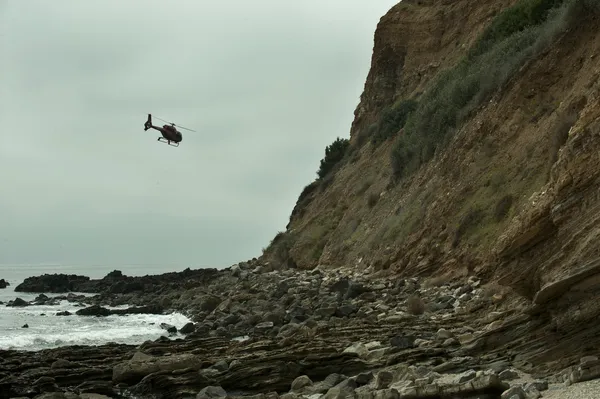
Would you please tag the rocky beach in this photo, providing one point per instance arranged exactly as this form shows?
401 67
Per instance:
258 332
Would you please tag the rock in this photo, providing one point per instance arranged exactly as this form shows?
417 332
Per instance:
402 342
148 309
341 391
444 334
41 299
188 328
171 329
532 393
538 385
464 377
18 302
588 361
383 379
50 395
359 348
346 310
514 393
64 313
54 283
508 375
326 312
211 392
301 382
94 310
63 364
3 283
98 388
221 365
134 370
364 378
263 326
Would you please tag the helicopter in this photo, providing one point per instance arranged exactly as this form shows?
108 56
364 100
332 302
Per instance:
169 133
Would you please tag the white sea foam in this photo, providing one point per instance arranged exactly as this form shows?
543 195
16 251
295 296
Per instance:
46 330
86 330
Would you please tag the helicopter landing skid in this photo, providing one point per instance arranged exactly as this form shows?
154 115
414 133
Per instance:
172 144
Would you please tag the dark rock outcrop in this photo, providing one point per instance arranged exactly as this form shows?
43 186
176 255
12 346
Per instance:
52 283
115 282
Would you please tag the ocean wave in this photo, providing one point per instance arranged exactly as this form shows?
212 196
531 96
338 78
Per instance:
51 332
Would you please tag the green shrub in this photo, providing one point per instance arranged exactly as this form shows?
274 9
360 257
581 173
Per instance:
391 121
514 19
334 153
514 37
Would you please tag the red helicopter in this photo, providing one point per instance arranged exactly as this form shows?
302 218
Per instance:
169 133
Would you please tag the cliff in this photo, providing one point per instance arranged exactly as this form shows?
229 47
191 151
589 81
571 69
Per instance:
474 152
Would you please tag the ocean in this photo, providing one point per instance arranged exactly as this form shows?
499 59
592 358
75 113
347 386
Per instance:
46 330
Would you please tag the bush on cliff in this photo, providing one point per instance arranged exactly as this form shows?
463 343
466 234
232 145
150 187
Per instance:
515 36
334 153
392 120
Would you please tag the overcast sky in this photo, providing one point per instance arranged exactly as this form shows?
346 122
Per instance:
266 84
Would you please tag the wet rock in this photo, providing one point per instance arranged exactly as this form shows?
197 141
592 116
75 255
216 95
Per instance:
41 299
94 310
171 329
149 309
3 283
18 302
64 313
188 328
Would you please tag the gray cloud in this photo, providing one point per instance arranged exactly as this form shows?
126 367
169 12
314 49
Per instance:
266 85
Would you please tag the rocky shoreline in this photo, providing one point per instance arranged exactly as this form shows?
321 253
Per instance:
300 334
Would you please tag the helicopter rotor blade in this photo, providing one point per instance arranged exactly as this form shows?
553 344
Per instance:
173 124
181 127
156 117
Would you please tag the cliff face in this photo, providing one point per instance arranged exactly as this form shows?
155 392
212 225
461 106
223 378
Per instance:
474 151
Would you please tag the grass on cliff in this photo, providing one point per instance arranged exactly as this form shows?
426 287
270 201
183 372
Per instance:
515 36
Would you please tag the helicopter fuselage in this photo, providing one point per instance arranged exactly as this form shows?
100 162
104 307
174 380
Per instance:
168 132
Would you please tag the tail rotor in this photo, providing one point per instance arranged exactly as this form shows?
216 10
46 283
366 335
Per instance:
148 123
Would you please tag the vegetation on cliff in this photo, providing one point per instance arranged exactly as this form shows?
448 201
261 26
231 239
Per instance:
515 36
334 153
